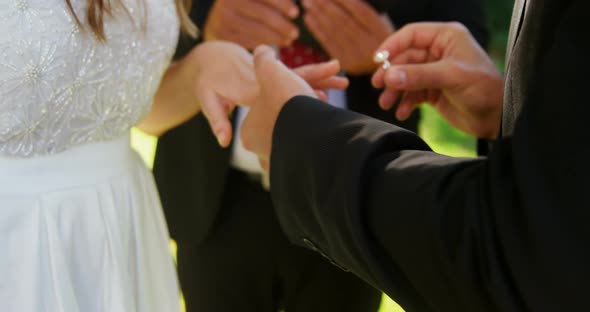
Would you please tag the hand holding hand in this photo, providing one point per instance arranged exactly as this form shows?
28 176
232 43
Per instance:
252 22
349 30
224 76
442 65
277 85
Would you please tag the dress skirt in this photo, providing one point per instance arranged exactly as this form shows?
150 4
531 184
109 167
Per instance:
83 231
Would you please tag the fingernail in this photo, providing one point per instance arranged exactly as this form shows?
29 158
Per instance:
397 77
221 138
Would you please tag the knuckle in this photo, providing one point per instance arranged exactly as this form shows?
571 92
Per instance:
458 27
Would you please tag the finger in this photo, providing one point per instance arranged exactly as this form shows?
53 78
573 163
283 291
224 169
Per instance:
388 98
264 55
412 77
267 65
341 25
414 36
411 56
322 75
339 83
287 8
432 96
408 104
361 11
216 110
270 72
321 95
322 29
217 29
318 71
256 33
271 18
378 79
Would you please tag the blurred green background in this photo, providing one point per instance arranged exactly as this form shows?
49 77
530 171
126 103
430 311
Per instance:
433 129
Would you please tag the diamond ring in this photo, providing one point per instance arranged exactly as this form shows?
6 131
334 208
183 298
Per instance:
383 58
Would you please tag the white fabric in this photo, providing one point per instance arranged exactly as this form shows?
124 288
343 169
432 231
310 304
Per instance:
60 87
246 161
81 228
241 158
83 231
337 98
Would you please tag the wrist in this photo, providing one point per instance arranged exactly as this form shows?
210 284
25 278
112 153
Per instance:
189 69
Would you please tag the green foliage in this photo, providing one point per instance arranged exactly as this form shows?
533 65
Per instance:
442 137
498 20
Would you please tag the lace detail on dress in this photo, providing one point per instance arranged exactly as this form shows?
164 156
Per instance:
61 87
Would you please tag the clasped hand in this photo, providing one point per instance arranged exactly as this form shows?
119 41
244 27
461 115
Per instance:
225 76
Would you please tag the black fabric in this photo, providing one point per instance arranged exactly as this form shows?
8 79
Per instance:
189 166
191 172
504 233
241 269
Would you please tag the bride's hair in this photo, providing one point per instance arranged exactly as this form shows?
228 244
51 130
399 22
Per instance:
98 8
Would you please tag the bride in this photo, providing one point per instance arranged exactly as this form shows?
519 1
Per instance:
81 227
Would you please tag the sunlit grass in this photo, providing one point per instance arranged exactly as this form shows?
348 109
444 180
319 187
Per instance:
443 138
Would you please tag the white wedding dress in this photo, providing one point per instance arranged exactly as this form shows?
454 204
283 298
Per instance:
81 227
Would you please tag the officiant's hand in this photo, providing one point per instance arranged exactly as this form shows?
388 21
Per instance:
441 64
349 30
277 85
250 23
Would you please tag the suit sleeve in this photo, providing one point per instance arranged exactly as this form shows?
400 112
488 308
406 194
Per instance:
504 233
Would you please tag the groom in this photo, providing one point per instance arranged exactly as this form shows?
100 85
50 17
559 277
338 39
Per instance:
504 233
232 254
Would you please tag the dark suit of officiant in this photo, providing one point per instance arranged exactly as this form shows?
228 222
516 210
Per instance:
508 232
232 253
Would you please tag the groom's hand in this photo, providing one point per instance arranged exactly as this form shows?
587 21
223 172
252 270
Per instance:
278 84
441 64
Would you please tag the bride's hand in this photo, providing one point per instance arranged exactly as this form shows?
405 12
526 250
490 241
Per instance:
224 76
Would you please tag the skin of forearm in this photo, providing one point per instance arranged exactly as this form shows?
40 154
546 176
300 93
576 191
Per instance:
175 101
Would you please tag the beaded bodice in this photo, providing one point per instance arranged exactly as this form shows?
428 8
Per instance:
61 87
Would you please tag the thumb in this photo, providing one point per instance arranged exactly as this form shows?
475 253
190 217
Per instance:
216 109
275 78
266 63
414 77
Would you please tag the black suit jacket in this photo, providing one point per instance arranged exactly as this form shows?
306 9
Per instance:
190 168
504 233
